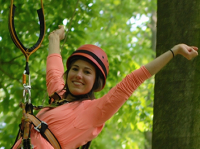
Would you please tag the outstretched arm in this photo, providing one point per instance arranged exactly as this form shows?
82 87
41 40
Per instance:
54 40
157 64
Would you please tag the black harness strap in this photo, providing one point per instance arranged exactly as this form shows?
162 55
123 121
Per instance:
18 136
26 51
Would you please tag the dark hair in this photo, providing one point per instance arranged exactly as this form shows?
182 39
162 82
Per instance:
86 146
98 84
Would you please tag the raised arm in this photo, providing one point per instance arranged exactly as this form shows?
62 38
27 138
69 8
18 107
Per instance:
157 64
54 40
54 68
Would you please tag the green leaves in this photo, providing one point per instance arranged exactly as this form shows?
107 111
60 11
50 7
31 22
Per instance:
104 23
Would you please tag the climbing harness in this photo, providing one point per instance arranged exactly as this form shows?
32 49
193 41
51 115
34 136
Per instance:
28 120
27 108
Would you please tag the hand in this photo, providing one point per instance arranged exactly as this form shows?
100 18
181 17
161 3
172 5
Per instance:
189 52
61 31
58 33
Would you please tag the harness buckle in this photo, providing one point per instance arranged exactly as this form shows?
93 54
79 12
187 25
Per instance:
41 124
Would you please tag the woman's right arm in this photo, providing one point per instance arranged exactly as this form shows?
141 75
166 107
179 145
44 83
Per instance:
54 40
54 68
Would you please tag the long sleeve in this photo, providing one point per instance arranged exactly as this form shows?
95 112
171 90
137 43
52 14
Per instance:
119 94
100 110
54 76
78 122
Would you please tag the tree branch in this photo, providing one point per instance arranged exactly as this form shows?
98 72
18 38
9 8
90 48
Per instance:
9 76
70 24
10 61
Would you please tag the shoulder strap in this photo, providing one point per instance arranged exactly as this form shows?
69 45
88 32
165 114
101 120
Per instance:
18 136
54 98
42 127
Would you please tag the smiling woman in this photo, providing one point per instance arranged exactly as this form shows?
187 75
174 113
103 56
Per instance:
81 77
78 117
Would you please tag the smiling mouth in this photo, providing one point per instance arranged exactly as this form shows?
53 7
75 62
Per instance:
77 83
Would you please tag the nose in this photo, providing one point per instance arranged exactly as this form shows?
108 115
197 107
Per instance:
79 75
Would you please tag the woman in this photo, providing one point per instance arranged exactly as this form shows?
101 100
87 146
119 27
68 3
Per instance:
79 118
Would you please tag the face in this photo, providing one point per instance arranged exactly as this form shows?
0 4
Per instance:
81 77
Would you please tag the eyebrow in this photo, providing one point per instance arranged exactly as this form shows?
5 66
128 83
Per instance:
84 67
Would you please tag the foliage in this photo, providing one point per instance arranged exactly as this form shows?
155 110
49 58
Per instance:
109 24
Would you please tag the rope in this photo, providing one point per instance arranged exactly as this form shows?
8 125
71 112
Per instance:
65 39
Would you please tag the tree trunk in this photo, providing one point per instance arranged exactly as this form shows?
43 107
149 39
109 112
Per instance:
176 123
152 25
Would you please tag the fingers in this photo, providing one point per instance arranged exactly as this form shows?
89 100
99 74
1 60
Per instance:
58 32
192 53
61 26
52 35
195 48
61 31
189 52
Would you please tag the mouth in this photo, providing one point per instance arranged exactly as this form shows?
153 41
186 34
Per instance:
77 83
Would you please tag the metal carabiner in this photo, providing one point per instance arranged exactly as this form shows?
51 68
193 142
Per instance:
27 90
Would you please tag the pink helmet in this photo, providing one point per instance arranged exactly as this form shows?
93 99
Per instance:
94 54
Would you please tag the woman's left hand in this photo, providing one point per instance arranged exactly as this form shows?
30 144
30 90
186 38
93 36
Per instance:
189 52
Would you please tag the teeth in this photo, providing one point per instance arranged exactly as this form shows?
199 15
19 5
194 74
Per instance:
77 83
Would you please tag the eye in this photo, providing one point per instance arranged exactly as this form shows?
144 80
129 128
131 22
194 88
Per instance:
87 72
74 69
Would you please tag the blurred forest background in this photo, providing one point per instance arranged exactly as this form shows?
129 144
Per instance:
125 29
